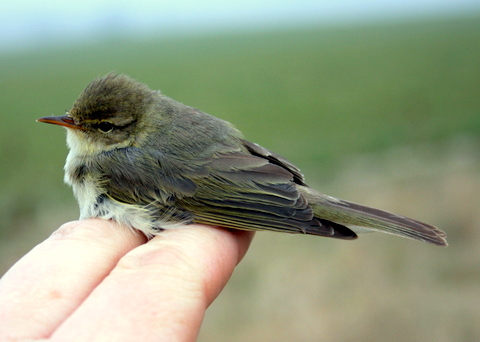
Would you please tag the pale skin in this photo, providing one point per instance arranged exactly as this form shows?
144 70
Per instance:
94 280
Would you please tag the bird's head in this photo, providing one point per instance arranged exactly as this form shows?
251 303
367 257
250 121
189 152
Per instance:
109 113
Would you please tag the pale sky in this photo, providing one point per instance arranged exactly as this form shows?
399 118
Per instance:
36 22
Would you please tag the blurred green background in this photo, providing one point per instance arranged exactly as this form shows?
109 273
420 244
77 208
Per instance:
385 114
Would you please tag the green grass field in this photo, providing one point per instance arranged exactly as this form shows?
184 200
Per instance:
391 110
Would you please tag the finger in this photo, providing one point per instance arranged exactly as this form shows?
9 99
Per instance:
160 290
49 283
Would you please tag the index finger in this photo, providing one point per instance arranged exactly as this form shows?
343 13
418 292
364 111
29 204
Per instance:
160 290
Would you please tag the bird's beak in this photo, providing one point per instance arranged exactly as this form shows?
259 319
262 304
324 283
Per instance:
63 120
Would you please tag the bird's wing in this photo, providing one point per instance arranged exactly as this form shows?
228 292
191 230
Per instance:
233 189
256 191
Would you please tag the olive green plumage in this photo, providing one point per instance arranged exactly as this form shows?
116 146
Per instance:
150 162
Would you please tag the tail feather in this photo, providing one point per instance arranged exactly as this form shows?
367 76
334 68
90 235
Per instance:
352 214
391 223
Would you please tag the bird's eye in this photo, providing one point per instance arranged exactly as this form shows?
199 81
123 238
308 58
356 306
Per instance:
105 127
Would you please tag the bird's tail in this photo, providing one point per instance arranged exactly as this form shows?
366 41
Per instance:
360 218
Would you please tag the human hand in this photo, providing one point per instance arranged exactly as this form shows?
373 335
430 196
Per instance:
94 280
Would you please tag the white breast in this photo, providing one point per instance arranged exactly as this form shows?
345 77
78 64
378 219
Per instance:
89 190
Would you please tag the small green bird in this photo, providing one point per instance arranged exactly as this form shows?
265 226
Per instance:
149 162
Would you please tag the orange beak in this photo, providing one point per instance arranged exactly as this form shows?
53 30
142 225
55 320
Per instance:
63 120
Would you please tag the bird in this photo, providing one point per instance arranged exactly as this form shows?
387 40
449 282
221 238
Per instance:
151 163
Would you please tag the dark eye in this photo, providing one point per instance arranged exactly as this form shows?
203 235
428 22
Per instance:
105 127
